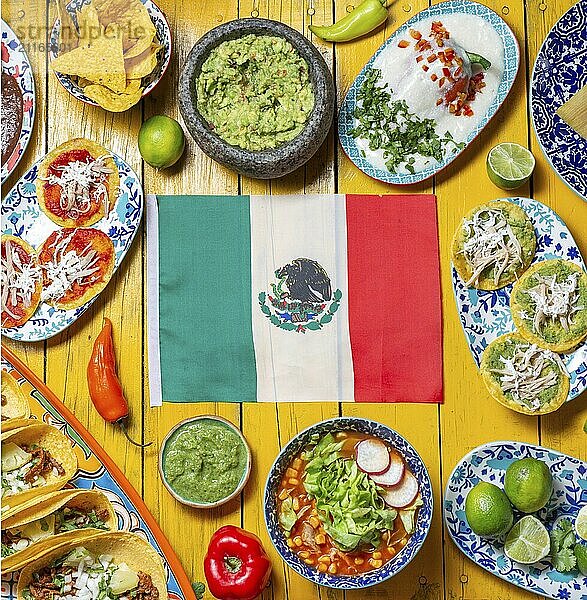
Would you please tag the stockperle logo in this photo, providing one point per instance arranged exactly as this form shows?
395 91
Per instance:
301 298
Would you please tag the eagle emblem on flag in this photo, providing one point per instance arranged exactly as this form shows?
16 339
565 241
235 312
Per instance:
301 298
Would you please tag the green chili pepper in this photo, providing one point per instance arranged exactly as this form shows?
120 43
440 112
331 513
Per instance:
361 20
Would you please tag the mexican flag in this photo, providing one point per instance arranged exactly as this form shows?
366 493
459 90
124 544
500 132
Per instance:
302 298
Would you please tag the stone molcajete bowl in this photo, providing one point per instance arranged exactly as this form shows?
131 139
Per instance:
263 164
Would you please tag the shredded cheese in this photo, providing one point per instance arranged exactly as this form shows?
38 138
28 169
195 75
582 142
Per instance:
522 377
490 242
78 180
68 267
554 300
19 280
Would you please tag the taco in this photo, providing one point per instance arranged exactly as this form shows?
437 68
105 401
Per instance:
549 305
15 406
57 517
493 245
524 377
36 459
122 562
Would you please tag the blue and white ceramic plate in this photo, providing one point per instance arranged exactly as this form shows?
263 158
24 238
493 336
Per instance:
149 83
488 463
22 217
485 315
511 58
16 63
424 517
560 70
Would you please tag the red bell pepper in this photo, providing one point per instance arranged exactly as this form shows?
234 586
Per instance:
236 565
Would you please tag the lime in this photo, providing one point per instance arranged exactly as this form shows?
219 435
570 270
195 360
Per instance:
528 541
528 484
161 141
581 523
581 555
509 165
489 512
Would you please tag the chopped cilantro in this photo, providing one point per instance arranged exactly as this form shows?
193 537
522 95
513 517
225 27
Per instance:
388 125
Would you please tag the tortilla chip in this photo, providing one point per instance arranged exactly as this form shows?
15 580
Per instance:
133 18
111 101
82 82
102 62
142 65
133 86
89 25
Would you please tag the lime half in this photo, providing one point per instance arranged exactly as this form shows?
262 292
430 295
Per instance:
528 541
509 165
581 523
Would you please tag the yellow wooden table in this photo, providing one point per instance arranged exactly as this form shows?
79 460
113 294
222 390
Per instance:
441 434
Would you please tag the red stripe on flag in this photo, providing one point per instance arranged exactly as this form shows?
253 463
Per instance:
395 312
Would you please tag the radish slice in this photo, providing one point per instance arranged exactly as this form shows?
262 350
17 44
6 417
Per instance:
403 493
372 456
394 472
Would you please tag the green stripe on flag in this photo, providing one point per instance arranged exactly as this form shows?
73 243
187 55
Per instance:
206 334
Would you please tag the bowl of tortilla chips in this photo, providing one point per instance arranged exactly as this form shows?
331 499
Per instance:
110 53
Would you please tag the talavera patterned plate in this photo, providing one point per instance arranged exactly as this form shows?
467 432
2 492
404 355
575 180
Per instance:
22 217
489 463
560 71
485 315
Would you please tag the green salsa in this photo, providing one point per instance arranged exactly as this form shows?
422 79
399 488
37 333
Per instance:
255 92
204 461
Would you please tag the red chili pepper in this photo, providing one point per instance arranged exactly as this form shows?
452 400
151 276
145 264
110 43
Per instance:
236 565
103 383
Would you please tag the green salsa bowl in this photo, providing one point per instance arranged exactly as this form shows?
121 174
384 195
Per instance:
204 461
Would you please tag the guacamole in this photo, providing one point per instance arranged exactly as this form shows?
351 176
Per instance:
204 461
255 92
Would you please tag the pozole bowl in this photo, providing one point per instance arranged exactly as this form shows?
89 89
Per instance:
412 461
262 164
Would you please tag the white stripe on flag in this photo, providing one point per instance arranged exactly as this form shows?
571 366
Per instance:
152 226
315 365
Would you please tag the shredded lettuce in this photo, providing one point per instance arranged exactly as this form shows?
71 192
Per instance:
287 515
408 515
347 500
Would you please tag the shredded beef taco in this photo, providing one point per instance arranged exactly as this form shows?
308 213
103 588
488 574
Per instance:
493 245
39 524
120 562
524 377
549 305
15 406
36 459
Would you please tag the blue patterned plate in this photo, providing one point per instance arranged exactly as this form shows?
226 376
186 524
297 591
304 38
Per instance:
96 470
424 517
346 121
22 217
488 463
16 63
149 83
485 315
560 70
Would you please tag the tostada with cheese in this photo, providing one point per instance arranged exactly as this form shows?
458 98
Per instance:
118 564
77 183
15 406
36 459
549 304
493 245
40 524
77 264
21 281
524 377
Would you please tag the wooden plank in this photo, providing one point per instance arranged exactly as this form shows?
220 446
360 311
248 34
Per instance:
470 416
562 430
68 353
28 21
195 173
